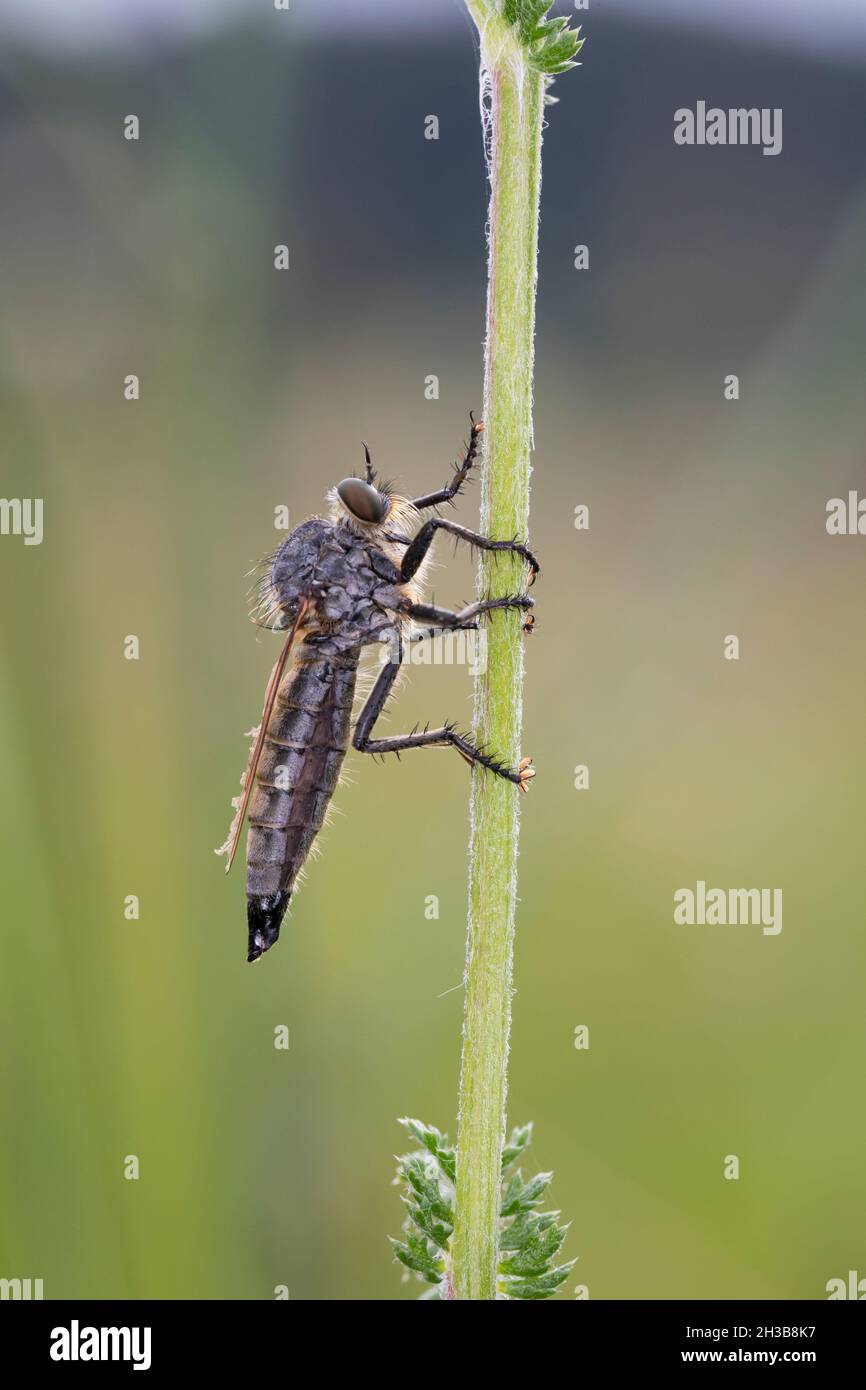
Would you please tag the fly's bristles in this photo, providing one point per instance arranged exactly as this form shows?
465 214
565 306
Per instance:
266 611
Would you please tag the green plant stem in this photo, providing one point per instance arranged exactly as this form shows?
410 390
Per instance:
515 93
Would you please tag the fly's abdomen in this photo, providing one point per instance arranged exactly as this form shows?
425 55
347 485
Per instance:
305 743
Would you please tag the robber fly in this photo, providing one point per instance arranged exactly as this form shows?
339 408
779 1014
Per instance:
336 586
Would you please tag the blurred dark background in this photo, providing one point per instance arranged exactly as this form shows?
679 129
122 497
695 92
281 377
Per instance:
152 1037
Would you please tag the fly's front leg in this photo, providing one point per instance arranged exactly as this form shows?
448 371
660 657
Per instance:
461 473
445 737
418 548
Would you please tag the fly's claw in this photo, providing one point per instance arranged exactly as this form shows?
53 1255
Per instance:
525 772
534 566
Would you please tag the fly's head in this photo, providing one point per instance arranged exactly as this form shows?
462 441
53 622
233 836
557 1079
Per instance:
372 510
360 503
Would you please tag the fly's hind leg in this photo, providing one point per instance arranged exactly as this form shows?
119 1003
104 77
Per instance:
445 737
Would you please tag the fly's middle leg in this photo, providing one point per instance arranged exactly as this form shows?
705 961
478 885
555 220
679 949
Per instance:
447 620
444 737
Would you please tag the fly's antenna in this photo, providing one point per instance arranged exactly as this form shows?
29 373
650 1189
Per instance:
370 470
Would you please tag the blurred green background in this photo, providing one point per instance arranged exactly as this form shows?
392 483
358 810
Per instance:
153 1037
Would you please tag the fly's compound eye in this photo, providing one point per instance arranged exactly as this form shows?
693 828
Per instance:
362 500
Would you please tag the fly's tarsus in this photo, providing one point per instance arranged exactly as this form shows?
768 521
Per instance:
525 772
476 755
463 618
447 735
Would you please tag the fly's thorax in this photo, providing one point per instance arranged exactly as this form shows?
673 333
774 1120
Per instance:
291 577
347 572
402 519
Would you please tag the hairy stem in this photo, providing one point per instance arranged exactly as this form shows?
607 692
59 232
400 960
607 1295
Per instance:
513 102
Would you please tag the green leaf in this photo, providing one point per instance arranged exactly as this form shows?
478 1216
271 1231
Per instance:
413 1168
519 1196
535 1253
521 1138
437 1231
529 1240
550 43
525 15
522 1228
549 29
553 57
436 1144
415 1254
542 1287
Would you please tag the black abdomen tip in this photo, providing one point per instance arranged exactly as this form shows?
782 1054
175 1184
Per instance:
264 916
